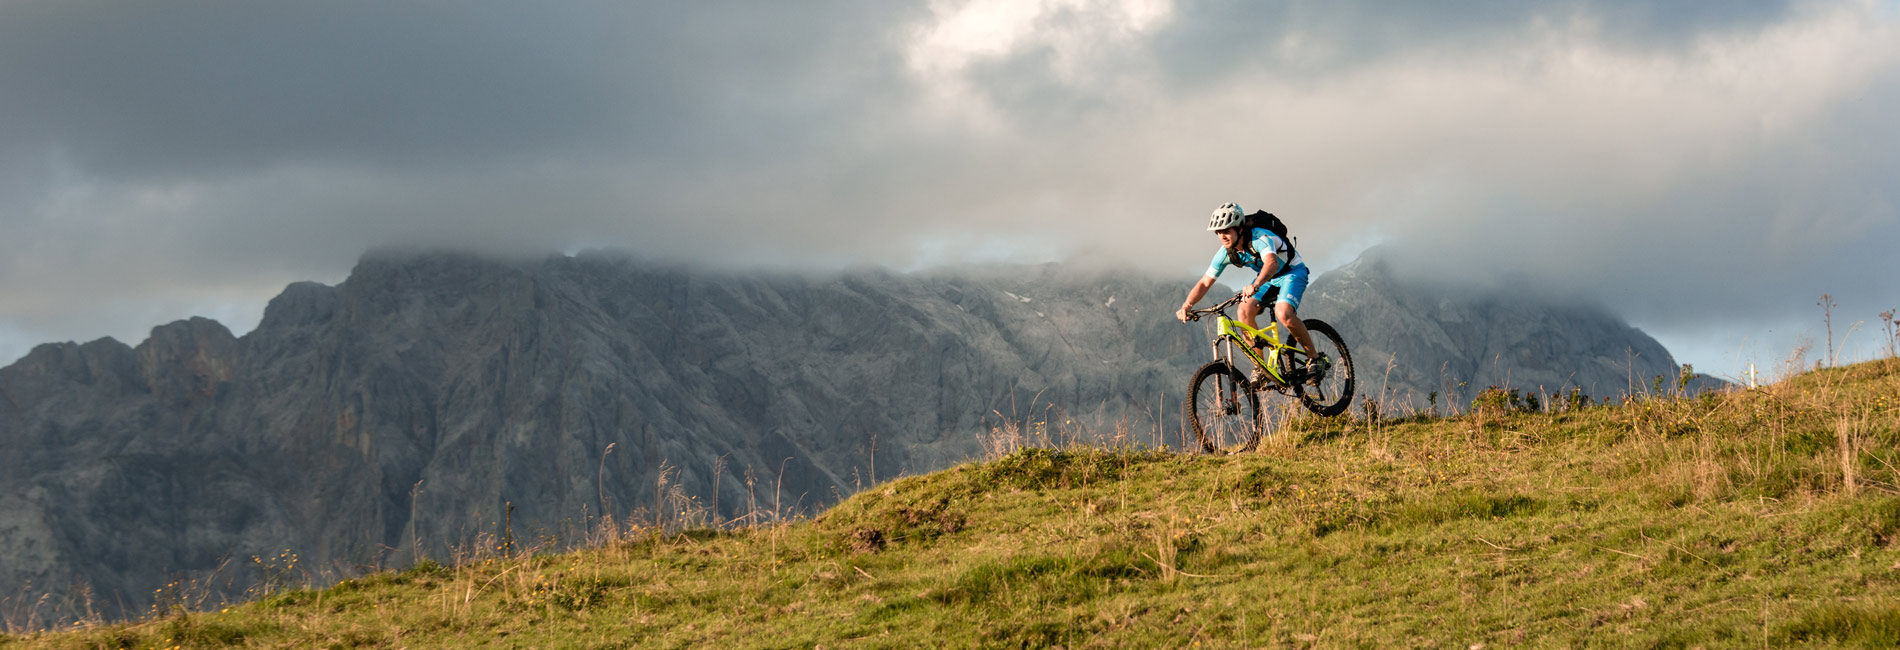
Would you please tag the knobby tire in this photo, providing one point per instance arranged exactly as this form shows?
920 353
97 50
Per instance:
1233 426
1334 393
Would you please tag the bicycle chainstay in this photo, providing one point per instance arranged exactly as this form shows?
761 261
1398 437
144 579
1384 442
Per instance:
1277 358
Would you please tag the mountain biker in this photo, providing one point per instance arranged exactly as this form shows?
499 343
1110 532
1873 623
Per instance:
1243 249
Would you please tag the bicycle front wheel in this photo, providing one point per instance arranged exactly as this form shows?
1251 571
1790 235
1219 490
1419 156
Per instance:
1223 410
1331 392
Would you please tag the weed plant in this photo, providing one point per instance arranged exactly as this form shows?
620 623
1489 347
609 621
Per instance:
1749 518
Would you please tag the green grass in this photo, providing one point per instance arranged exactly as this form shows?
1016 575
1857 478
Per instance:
1765 518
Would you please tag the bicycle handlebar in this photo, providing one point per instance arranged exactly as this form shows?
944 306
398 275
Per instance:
1195 314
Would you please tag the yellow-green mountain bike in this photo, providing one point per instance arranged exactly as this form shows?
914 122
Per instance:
1223 403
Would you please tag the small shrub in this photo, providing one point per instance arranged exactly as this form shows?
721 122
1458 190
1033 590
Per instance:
1576 400
427 568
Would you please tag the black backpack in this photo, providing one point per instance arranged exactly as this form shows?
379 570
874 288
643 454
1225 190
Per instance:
1273 224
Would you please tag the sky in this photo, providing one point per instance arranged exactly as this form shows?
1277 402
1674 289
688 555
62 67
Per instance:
1707 170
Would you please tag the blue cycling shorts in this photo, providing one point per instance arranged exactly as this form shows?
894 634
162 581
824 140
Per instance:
1289 288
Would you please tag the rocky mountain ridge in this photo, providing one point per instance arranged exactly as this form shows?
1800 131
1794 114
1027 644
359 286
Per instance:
430 397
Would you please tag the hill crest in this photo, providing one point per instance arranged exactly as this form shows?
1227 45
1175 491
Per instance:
1737 518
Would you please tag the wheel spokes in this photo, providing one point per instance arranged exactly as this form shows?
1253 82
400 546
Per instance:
1225 409
1228 406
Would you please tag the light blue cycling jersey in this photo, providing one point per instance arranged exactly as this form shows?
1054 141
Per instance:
1263 240
1288 288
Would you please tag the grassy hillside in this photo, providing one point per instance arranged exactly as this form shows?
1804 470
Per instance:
1751 519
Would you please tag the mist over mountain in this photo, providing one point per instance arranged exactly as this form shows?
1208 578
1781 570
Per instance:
403 412
1413 335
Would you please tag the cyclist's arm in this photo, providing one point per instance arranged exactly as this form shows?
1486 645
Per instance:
1268 265
1267 246
1194 295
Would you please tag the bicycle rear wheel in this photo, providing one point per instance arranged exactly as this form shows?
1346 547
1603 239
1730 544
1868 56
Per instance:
1333 392
1223 411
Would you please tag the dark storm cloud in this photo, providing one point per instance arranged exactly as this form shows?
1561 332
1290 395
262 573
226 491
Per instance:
185 89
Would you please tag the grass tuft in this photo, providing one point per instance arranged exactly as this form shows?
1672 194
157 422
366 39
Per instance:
1866 626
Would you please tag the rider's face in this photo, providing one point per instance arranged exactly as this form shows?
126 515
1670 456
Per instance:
1228 236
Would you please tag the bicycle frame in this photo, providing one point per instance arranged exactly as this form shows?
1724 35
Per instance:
1235 333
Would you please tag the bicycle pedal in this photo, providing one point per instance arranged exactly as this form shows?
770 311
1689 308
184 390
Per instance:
1316 370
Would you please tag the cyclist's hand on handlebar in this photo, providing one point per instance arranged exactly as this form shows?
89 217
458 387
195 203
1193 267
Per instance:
1183 314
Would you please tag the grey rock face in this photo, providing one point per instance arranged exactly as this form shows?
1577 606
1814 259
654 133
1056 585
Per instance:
402 412
405 410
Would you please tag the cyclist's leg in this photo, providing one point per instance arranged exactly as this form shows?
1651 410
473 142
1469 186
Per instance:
1252 306
1287 306
1289 317
1249 315
1249 312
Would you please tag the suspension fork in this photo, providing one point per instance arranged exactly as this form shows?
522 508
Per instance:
1220 336
1220 388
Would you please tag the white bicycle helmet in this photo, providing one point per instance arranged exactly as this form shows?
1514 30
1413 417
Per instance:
1226 216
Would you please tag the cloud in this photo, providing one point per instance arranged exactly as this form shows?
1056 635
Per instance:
192 89
1691 166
